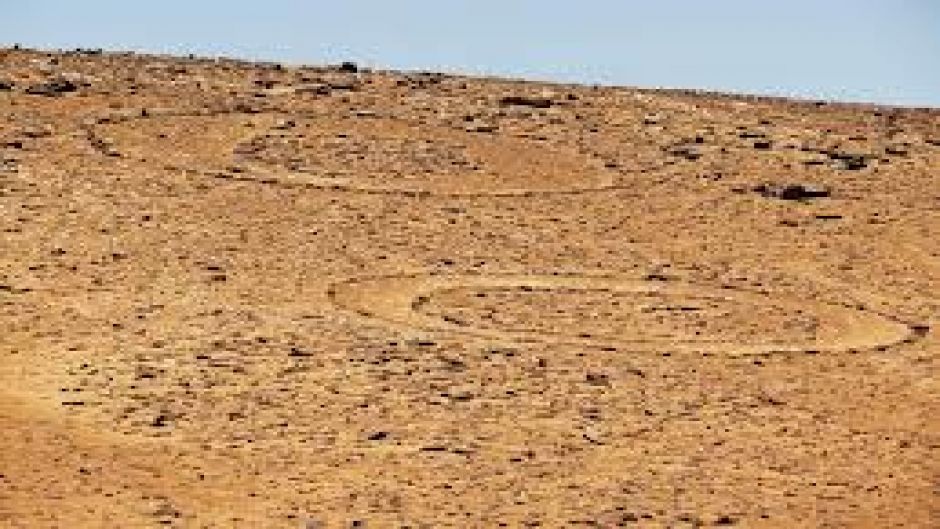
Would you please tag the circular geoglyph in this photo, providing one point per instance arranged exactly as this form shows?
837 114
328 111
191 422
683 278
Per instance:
370 154
606 311
390 155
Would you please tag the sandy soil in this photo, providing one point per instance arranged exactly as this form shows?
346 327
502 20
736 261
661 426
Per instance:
246 295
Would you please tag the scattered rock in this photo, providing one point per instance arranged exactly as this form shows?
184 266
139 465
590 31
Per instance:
341 86
763 145
349 67
166 510
37 132
685 151
896 150
296 353
793 191
486 129
245 108
597 379
592 435
54 87
105 146
313 88
525 101
284 124
848 161
6 85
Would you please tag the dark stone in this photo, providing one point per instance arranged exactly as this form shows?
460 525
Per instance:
341 86
792 191
848 161
487 129
348 67
53 87
685 151
378 436
762 145
6 85
525 101
245 108
896 150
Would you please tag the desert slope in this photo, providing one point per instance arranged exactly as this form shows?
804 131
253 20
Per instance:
248 295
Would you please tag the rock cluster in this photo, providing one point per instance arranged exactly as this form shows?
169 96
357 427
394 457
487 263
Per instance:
792 191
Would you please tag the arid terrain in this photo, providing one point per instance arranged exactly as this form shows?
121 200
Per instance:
246 295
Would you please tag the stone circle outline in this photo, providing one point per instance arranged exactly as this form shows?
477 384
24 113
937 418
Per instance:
867 329
262 175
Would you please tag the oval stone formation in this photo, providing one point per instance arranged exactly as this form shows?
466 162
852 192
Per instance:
616 312
368 154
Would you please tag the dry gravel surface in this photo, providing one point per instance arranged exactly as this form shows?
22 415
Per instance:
240 295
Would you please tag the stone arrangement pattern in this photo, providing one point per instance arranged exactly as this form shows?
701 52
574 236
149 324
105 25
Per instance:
242 294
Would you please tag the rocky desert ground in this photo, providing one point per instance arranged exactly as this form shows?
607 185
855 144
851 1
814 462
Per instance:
246 295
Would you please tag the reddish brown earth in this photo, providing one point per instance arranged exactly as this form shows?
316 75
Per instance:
246 295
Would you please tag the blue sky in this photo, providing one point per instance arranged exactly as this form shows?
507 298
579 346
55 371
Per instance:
862 50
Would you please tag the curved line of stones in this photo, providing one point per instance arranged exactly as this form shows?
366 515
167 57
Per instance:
240 176
420 302
915 331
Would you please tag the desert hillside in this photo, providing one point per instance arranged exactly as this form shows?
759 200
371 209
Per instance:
244 295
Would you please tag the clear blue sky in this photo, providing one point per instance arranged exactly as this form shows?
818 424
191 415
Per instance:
863 50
